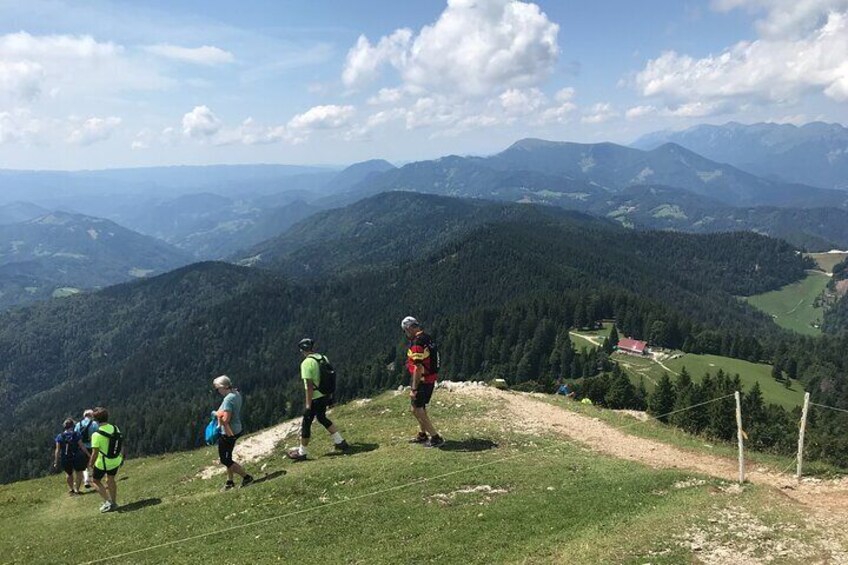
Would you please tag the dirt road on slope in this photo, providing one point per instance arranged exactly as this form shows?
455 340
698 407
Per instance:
533 414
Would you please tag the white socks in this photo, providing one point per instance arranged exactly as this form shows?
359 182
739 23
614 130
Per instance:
302 450
337 438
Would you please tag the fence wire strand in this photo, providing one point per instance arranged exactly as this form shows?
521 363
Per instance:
378 492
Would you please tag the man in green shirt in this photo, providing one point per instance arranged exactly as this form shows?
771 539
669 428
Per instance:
316 401
107 456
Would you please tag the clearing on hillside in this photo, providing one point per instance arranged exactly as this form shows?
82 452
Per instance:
826 261
794 306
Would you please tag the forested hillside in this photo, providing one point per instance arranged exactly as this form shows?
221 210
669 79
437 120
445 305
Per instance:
500 296
60 253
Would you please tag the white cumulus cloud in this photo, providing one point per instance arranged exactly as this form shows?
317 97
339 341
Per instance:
521 102
323 117
67 64
93 130
200 123
802 48
18 126
637 112
22 79
476 47
599 113
205 55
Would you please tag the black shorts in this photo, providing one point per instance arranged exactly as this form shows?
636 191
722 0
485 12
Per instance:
100 473
424 394
74 464
226 445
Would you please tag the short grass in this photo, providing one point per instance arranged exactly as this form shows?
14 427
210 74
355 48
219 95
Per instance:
580 342
749 373
698 365
561 503
826 261
792 307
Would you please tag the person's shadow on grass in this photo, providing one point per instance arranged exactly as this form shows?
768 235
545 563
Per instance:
139 505
470 445
269 476
355 449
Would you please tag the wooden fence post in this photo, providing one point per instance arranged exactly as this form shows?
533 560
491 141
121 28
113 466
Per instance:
739 435
801 435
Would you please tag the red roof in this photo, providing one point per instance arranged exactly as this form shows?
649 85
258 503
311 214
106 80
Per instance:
633 345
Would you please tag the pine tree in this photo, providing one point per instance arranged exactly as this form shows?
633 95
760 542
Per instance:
661 401
612 341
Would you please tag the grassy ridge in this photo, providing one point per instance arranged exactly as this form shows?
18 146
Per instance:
698 365
826 261
560 502
792 307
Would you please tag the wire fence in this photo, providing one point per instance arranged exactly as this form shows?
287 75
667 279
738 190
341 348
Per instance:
377 492
834 408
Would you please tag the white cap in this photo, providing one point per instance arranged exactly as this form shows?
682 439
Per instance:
408 322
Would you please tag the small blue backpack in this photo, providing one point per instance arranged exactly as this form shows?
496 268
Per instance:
213 431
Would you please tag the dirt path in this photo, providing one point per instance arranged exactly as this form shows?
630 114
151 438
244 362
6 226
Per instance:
590 338
256 446
535 415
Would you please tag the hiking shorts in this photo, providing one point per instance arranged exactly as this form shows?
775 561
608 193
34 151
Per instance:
226 445
424 394
100 473
319 411
74 464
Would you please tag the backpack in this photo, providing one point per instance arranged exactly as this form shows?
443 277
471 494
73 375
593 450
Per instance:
435 358
327 382
86 432
424 340
213 431
70 445
116 443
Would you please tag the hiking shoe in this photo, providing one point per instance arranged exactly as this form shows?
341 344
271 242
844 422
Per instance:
295 455
435 441
72 493
343 446
246 480
113 507
420 438
88 486
228 485
107 507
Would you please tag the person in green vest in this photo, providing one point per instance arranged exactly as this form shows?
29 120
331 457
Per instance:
107 456
316 402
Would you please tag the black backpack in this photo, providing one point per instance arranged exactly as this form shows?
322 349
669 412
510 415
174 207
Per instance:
86 432
425 341
70 445
116 443
327 382
435 358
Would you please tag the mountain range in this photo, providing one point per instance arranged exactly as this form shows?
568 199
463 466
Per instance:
59 254
815 154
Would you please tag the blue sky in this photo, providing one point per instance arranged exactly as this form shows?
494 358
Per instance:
116 84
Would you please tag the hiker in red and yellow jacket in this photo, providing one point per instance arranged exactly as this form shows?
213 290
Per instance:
422 364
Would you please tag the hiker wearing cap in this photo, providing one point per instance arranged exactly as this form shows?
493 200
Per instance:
107 456
70 455
86 428
422 362
319 383
229 420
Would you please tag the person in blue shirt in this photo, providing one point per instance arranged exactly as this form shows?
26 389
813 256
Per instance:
72 455
229 420
564 389
86 428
